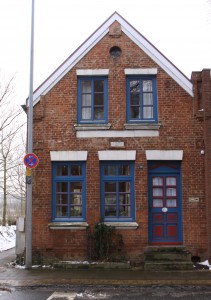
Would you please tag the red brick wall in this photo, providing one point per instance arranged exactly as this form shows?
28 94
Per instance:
54 119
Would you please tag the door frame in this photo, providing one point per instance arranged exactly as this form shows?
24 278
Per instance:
165 168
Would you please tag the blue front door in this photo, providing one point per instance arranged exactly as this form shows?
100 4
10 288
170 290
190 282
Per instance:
165 217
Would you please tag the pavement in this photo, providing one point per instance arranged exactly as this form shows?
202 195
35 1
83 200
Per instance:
37 277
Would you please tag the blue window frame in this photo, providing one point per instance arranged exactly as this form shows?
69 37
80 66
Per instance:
69 191
141 99
117 191
93 100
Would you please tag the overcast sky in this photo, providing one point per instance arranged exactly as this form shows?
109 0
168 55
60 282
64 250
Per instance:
180 29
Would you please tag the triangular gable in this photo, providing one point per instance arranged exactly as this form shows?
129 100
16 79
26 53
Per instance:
135 36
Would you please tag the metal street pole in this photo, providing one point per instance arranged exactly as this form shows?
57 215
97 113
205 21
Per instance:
30 150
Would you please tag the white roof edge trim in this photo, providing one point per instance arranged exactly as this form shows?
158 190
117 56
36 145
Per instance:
93 40
164 154
159 59
68 155
144 71
117 155
92 72
67 66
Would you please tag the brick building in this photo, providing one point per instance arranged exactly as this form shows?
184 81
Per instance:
120 134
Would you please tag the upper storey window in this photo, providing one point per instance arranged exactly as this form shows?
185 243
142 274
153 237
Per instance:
141 99
93 99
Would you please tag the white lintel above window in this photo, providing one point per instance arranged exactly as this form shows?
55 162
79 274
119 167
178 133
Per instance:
68 155
92 72
142 71
164 154
117 155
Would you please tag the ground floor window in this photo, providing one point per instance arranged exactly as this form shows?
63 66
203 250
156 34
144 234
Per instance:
69 185
117 191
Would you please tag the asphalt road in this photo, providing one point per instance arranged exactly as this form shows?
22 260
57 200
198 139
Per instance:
111 293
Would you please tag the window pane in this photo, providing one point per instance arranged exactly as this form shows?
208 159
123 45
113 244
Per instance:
157 192
110 198
61 211
99 99
62 199
171 181
62 187
110 211
75 170
147 112
135 99
134 86
86 100
110 170
171 192
124 170
135 112
147 99
171 203
110 187
147 86
124 187
86 86
62 170
98 86
157 181
86 113
76 211
99 113
76 199
157 203
124 211
76 187
124 199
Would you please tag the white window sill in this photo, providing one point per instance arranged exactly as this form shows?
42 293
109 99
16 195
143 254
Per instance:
68 225
85 127
122 225
142 126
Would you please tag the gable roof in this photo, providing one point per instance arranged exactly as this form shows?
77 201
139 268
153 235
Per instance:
135 36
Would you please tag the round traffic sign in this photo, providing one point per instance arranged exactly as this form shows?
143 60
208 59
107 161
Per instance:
31 160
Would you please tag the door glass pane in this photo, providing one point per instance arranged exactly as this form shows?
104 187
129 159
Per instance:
157 181
171 203
86 86
157 192
171 192
171 181
62 170
86 113
157 203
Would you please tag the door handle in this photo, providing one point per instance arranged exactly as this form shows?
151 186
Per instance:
164 209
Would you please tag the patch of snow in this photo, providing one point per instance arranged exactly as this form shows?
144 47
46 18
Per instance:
7 237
